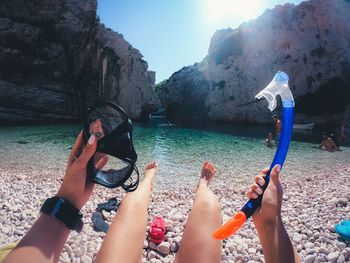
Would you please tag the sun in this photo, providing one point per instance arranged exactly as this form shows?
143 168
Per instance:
226 12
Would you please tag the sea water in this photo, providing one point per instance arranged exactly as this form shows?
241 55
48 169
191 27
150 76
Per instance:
179 149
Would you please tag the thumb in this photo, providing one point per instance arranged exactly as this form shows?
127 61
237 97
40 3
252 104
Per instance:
88 151
274 175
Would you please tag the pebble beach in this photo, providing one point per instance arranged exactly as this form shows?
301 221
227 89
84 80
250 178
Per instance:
316 197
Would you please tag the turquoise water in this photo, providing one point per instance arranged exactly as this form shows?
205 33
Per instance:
236 151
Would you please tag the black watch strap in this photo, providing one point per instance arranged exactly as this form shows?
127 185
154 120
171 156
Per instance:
64 211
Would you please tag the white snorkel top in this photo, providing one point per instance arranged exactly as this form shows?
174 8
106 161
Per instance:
278 86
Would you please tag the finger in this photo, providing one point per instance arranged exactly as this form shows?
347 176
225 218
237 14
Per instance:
256 189
265 171
252 195
79 142
260 180
98 156
275 173
88 151
102 162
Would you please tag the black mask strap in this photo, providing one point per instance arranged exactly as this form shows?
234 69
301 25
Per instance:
130 184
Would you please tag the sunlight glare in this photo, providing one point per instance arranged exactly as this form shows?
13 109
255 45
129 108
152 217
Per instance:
223 12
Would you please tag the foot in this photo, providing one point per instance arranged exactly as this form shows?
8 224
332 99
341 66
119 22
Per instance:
151 170
208 173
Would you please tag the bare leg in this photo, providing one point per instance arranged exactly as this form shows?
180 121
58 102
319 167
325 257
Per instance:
197 244
125 238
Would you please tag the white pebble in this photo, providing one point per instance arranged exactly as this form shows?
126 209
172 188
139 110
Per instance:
310 258
333 256
297 238
86 259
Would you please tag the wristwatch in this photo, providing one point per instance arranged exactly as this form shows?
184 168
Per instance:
63 211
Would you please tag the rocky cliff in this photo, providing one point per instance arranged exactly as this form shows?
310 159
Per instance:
311 42
54 52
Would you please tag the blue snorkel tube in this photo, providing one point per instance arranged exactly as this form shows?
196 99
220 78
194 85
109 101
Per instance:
278 86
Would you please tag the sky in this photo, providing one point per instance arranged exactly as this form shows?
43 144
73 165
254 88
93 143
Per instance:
172 34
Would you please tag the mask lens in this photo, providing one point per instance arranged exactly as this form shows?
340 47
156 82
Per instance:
103 120
114 172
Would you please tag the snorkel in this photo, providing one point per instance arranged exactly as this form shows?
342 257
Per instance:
278 86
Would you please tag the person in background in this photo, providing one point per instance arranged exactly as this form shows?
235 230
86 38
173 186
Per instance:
278 126
268 141
327 143
334 138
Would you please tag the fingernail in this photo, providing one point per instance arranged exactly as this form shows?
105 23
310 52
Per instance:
259 190
91 139
261 182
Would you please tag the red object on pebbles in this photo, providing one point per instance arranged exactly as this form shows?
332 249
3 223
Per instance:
157 230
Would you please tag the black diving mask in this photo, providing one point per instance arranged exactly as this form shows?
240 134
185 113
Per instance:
112 128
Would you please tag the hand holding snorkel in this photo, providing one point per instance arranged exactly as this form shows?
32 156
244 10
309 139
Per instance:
278 86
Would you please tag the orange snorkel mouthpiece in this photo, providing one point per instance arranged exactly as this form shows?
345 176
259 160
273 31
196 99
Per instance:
231 226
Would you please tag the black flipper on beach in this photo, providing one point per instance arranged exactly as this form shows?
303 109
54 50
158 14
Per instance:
111 205
99 223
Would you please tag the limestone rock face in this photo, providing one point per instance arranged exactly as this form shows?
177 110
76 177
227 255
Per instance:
55 57
125 77
185 92
311 42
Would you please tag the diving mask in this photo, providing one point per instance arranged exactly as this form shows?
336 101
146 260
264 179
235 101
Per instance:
112 128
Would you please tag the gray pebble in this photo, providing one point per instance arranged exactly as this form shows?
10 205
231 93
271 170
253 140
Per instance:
164 248
174 247
151 254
